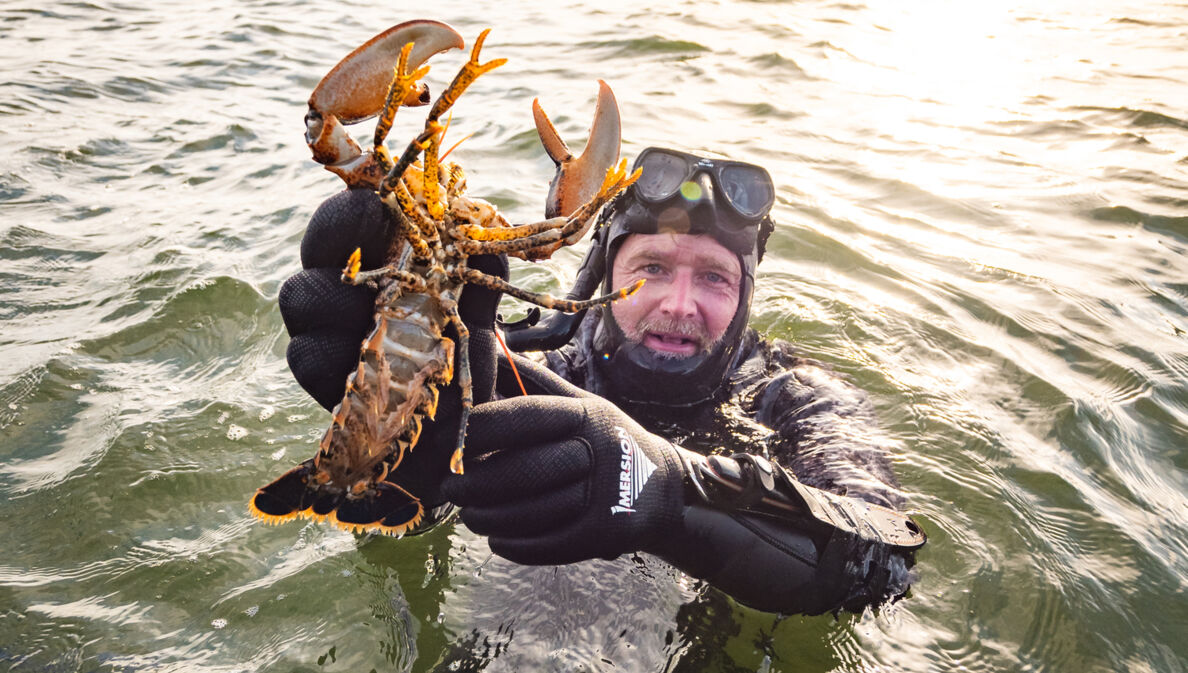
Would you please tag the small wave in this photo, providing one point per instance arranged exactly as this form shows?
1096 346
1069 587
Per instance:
55 251
648 45
235 136
1131 21
1141 118
135 89
766 110
1125 214
94 608
778 62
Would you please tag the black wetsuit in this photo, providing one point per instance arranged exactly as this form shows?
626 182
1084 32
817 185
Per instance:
808 419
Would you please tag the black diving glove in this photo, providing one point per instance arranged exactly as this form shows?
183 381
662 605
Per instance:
328 321
553 480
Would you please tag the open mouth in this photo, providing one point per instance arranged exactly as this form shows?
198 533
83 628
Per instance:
666 342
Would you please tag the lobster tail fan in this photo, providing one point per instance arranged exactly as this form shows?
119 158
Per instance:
387 509
286 498
324 503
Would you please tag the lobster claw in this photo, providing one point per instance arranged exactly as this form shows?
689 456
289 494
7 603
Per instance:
356 89
579 178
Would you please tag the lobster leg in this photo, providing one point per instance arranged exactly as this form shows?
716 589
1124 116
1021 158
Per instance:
410 154
455 180
434 201
534 247
579 222
405 280
429 138
475 277
476 232
450 307
541 239
403 83
412 224
465 77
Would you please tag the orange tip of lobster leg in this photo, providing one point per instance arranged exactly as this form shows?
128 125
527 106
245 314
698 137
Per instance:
632 289
456 462
353 264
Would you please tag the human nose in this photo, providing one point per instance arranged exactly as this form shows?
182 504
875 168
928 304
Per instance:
679 301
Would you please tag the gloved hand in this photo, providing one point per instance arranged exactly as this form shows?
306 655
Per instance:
536 483
553 480
328 321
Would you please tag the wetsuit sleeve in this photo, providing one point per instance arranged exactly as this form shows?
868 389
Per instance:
773 564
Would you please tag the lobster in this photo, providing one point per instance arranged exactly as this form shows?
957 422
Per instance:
406 358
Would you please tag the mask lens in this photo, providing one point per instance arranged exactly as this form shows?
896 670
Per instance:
748 188
662 175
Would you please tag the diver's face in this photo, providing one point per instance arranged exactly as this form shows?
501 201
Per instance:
690 296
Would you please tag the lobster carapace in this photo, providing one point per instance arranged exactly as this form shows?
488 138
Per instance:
406 357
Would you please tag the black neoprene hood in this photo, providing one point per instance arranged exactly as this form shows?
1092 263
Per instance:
633 372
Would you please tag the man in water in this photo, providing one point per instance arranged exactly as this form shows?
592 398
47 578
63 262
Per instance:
606 455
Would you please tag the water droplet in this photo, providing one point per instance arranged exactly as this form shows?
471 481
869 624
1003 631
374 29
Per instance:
236 432
218 623
266 413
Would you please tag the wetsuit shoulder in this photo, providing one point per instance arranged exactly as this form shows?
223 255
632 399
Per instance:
826 430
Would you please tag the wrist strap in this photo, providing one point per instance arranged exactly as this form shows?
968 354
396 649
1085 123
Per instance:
744 482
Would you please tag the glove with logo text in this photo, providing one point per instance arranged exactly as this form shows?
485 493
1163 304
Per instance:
553 480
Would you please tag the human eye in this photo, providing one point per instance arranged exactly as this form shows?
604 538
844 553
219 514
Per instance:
716 279
652 268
